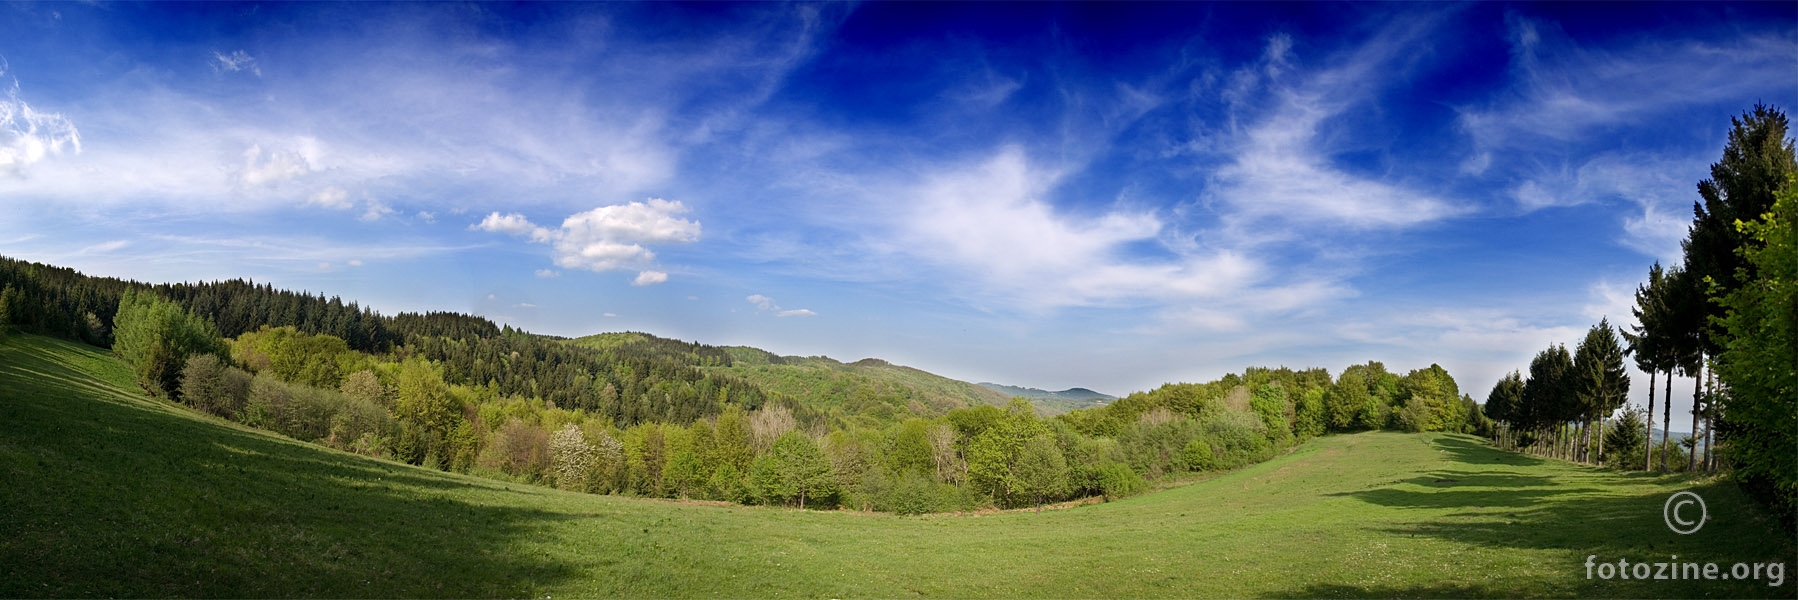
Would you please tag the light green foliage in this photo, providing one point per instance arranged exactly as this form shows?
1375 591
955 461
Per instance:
1270 403
1041 473
910 448
1236 439
795 470
731 444
993 453
1196 456
685 474
1116 480
727 484
1346 400
365 386
1310 418
1759 363
156 336
1431 401
426 407
314 360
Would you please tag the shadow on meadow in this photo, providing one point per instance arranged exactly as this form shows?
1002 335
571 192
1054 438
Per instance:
1498 499
116 498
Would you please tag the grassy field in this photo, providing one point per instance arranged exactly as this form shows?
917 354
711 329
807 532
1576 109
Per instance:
106 493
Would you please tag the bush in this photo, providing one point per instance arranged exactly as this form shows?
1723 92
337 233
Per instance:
518 449
1116 480
571 458
1197 456
1236 439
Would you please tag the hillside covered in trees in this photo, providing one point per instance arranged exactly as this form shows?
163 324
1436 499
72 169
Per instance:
633 413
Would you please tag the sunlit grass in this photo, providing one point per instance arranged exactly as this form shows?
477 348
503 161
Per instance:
109 493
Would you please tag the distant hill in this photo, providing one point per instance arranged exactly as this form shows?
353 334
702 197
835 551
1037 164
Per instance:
870 390
1053 403
1067 394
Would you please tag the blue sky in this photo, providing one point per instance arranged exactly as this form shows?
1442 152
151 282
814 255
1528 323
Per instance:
1111 196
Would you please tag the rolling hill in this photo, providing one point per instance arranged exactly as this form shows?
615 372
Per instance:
110 493
1054 403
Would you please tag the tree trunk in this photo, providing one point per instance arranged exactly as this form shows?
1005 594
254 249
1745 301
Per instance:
1697 393
801 498
1648 444
1601 438
1666 418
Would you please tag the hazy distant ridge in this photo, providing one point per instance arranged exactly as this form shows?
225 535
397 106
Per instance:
1078 393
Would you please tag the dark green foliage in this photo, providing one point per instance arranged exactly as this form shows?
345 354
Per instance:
210 385
1625 439
1756 162
1759 363
1310 418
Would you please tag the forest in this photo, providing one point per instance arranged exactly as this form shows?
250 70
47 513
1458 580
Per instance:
1727 317
635 414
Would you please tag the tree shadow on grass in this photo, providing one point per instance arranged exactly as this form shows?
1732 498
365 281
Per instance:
127 498
1577 511
1330 590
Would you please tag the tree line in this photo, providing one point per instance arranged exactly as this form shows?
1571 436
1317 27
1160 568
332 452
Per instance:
1726 316
640 415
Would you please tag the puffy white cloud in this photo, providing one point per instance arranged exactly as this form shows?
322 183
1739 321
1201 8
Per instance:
647 278
762 302
28 135
795 313
279 163
607 238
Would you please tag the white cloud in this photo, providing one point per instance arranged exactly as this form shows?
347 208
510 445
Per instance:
524 305
1564 92
235 61
427 216
332 197
766 304
279 163
355 262
548 273
28 135
105 247
607 238
647 278
1279 169
609 315
376 209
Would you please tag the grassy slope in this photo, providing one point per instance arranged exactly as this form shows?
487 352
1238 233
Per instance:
109 493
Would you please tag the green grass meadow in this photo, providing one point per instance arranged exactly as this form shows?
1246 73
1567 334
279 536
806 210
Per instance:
106 492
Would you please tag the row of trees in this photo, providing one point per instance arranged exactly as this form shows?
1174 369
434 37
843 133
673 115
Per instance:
1726 316
1554 410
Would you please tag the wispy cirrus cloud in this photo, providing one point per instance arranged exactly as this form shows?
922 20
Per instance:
29 135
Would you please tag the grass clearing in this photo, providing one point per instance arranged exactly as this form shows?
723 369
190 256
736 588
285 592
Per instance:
109 493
